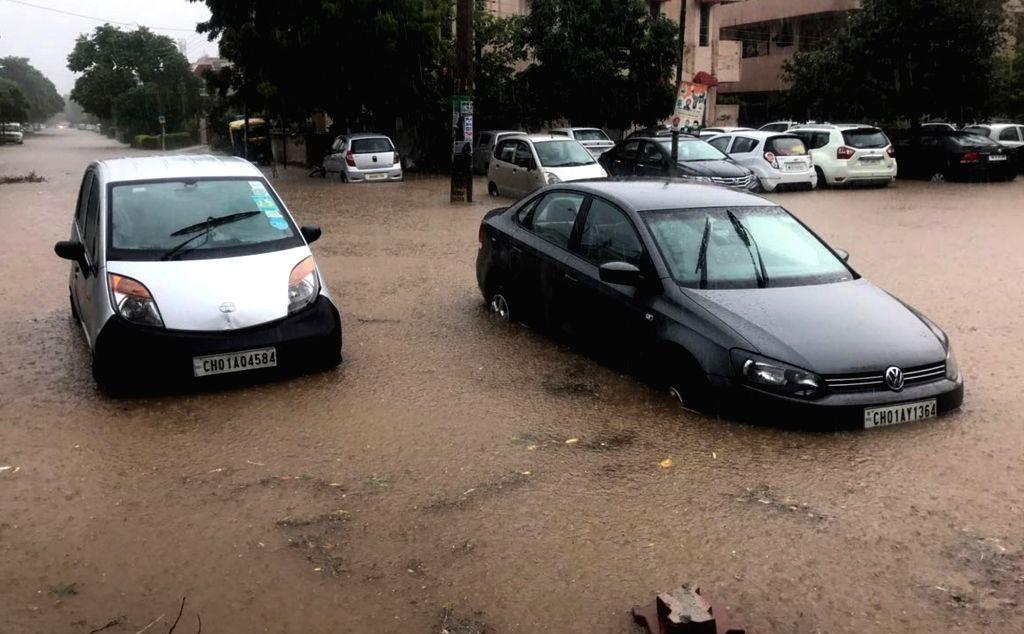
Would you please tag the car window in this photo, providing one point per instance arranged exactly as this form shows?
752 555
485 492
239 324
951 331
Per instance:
368 146
651 155
609 236
1009 134
591 135
92 220
562 153
555 215
83 199
787 146
629 150
558 133
742 145
339 143
523 215
147 219
483 139
523 154
691 149
505 151
721 143
863 138
812 140
693 241
977 129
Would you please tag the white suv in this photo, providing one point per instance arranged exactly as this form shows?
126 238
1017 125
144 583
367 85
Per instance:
849 153
778 159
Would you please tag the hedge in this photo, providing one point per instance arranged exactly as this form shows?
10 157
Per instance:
173 140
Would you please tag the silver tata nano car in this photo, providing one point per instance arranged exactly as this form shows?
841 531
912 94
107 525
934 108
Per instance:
188 268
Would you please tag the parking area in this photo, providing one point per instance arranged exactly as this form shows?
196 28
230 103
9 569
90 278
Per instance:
456 471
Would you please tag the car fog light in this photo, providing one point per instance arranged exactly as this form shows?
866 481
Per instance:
303 285
133 301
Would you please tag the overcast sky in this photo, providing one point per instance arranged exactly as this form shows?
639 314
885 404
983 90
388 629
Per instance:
46 36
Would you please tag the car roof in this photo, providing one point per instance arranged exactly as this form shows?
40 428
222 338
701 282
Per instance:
145 168
761 135
365 135
663 193
501 132
994 126
546 137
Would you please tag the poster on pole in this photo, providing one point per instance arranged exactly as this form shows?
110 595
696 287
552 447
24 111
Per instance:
462 124
691 100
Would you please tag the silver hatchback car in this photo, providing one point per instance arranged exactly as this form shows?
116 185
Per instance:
364 157
188 268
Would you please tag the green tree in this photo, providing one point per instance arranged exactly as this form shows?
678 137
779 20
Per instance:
123 71
1008 88
369 64
13 104
39 92
901 59
500 98
600 62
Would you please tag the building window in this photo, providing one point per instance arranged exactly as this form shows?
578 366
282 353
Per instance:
705 24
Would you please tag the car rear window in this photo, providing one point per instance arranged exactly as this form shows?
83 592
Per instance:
972 140
787 146
865 138
591 135
368 146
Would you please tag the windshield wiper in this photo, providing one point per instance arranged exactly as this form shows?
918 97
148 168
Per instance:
702 255
748 240
204 229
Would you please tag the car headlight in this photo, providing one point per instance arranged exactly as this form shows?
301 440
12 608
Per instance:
303 285
550 178
133 301
952 367
776 376
698 179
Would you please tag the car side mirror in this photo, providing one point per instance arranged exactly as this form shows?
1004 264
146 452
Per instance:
843 254
311 233
71 250
531 165
622 273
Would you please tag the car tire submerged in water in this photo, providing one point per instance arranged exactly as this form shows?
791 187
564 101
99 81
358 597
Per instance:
688 384
500 305
492 189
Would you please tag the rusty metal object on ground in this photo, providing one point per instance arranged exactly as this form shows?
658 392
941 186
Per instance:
684 611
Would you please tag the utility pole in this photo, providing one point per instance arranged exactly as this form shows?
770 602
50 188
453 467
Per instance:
679 76
462 105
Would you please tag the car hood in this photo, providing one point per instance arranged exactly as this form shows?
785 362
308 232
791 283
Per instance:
722 168
566 174
840 328
196 294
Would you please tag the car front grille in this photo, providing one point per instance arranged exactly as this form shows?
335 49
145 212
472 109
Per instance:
876 380
741 182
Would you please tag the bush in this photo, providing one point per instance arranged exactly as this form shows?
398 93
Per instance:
173 141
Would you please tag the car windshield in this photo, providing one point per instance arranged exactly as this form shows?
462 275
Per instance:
144 219
865 138
562 154
787 146
972 140
591 135
731 248
694 150
368 146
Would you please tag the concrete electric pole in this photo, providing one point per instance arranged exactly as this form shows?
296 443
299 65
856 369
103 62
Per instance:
462 105
679 76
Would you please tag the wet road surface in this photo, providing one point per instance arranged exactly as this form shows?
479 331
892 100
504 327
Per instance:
428 482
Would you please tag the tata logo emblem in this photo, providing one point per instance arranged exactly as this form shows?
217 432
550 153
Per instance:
227 307
894 378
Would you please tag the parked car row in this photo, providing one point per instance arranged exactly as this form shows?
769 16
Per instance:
192 270
11 133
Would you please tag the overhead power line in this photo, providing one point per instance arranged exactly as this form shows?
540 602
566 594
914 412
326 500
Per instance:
96 19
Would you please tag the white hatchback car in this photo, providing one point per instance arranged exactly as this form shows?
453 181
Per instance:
849 153
364 157
778 159
595 140
185 268
525 163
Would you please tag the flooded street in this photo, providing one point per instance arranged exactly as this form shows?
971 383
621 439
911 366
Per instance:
428 482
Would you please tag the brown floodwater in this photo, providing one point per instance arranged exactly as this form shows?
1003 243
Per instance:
427 482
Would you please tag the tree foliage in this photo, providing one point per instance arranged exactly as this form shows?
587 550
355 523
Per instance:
133 77
501 99
40 95
901 59
13 104
600 62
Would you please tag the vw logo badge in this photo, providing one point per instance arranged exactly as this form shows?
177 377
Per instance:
227 307
894 378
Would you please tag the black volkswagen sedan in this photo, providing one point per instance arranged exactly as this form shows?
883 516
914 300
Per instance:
939 154
722 296
696 162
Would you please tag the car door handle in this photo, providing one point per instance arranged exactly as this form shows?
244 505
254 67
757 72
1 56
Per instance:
572 278
517 251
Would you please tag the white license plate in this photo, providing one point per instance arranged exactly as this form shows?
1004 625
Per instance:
897 414
796 167
871 159
997 157
376 177
234 361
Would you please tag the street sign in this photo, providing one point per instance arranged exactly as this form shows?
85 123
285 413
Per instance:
162 119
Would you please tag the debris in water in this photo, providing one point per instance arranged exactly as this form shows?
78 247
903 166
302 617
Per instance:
666 463
64 590
572 441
